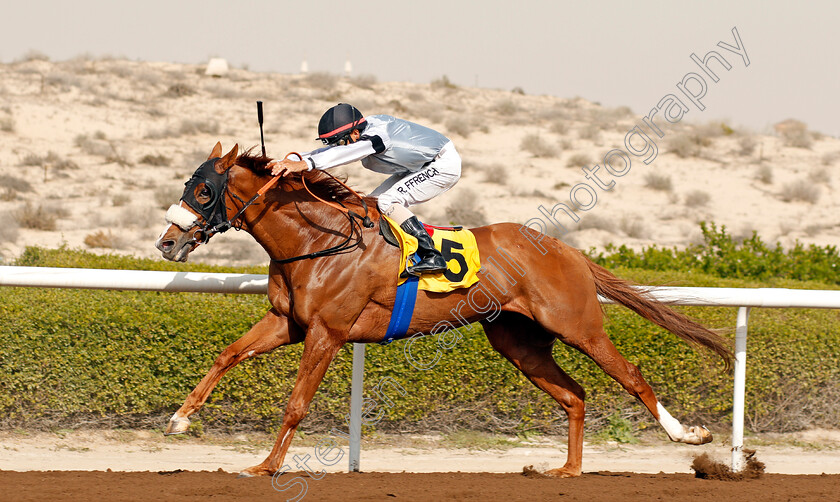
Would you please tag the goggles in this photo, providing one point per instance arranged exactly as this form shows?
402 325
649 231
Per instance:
337 140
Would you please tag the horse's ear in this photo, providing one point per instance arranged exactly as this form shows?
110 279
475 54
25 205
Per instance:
228 160
217 151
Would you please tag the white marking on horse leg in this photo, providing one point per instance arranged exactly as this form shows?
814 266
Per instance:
251 353
672 426
288 432
678 432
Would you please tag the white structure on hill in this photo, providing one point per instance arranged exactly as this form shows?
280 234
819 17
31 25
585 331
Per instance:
216 67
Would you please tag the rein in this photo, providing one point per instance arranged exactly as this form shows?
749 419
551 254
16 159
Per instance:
352 216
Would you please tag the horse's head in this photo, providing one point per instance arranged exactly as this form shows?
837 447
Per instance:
202 211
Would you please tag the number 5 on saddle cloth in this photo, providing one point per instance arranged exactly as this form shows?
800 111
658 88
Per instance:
460 251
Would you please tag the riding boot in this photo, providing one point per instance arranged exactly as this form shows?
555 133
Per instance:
431 261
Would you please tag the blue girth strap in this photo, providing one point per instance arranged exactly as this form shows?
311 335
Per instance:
403 310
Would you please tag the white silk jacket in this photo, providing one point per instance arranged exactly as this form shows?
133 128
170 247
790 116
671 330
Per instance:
388 145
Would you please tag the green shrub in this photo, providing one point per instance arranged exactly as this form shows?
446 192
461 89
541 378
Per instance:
117 357
721 256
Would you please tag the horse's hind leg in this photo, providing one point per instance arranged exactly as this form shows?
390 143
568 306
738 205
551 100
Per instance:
601 349
270 332
528 347
585 333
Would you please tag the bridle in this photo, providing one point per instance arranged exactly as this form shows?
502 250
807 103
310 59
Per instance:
213 213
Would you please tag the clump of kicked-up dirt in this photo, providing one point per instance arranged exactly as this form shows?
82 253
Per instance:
530 472
705 467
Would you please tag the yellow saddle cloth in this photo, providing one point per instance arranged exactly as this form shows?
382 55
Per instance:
458 248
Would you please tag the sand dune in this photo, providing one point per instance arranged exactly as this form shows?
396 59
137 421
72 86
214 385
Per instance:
93 151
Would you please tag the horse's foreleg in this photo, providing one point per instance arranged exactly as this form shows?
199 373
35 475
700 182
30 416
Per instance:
529 349
318 353
270 332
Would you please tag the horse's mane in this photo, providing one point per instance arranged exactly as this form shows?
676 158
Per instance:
320 184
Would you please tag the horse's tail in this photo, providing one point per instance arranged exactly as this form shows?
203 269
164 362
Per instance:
640 302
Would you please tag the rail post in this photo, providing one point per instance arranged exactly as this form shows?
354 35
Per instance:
356 390
739 388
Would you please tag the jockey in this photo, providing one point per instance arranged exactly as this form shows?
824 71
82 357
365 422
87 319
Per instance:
422 163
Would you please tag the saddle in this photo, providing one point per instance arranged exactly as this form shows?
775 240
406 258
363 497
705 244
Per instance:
456 244
459 249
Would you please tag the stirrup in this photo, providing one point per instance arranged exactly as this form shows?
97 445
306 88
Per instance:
428 262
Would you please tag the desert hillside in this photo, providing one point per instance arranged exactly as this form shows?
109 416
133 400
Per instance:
92 152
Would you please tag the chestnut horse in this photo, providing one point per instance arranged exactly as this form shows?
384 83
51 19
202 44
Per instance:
329 299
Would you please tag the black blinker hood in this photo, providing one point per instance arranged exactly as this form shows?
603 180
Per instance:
214 212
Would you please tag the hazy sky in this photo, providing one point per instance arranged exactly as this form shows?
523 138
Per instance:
616 53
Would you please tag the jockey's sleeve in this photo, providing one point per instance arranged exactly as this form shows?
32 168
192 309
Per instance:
325 158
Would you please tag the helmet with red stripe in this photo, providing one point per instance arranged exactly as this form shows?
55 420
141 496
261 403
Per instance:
338 122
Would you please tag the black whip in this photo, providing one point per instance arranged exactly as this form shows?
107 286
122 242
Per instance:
260 119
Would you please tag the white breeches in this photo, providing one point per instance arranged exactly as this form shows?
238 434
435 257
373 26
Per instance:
423 185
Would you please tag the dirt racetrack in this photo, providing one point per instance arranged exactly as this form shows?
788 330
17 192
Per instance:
594 486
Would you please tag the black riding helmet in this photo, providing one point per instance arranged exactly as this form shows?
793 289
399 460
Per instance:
338 122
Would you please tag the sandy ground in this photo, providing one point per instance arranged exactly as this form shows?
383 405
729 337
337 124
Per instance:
812 452
81 486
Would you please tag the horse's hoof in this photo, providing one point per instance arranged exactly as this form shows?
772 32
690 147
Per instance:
698 435
563 473
177 425
257 470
